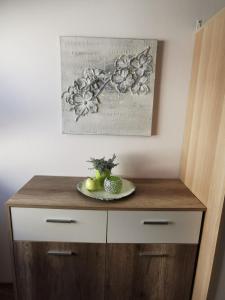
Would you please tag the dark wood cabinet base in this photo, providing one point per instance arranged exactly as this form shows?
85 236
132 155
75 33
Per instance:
56 271
59 271
6 291
150 271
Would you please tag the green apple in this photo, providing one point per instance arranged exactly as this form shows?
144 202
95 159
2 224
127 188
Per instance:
91 184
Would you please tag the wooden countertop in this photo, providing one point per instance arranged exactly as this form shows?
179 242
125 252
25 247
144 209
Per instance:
150 194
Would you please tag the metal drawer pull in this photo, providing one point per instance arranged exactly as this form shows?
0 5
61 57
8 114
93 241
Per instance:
60 221
156 222
61 253
148 253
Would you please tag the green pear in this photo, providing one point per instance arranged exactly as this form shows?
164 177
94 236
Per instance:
91 184
100 176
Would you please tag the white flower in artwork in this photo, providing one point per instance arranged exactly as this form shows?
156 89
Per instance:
85 104
130 74
142 64
123 62
123 80
69 95
140 87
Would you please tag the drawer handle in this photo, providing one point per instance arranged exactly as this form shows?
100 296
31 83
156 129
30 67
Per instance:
61 221
61 253
156 222
148 253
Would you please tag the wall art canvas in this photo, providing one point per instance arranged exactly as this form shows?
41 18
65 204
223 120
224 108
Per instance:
107 85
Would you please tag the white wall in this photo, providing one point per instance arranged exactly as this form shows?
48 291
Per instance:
30 117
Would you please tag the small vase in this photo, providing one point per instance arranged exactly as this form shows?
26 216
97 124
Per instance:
113 184
101 176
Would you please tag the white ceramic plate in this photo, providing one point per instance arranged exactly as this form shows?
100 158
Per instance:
127 188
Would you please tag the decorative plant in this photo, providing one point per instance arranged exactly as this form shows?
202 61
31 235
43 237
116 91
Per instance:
130 73
103 169
102 164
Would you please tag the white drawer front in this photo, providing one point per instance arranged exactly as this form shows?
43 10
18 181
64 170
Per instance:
37 224
154 227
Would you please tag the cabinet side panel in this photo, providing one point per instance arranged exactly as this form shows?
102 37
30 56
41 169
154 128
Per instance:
10 232
203 159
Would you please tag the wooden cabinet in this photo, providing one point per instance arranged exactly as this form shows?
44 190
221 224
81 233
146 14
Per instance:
83 249
149 271
57 271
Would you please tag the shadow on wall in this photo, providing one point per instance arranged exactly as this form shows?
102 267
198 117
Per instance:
5 193
20 111
158 72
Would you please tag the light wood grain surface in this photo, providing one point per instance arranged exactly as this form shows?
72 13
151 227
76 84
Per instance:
151 194
203 159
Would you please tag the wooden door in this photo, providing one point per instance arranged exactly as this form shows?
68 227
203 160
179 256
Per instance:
59 271
150 271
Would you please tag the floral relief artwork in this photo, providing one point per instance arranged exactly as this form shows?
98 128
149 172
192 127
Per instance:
107 85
